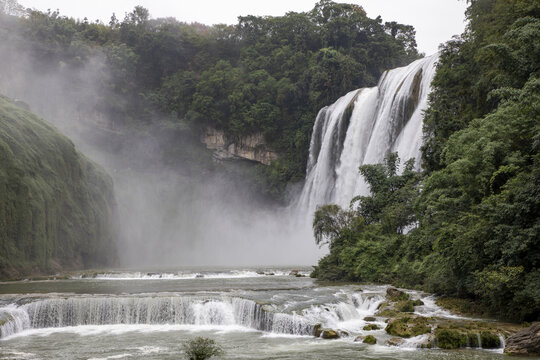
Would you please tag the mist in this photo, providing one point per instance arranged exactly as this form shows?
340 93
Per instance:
179 213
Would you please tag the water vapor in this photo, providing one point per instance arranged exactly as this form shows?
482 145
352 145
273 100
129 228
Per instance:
170 214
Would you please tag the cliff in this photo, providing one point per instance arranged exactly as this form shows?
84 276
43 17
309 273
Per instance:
56 206
250 147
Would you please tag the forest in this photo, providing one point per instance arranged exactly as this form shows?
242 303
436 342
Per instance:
264 74
467 225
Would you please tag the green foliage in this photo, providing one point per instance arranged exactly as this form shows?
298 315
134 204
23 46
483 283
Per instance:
477 228
56 206
362 240
489 340
202 348
450 338
406 306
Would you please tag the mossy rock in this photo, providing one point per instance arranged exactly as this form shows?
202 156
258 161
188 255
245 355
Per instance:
450 338
405 306
370 318
490 340
417 302
370 327
389 313
472 340
359 338
394 294
408 327
370 339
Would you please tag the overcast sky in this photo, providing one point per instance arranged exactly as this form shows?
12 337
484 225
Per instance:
435 21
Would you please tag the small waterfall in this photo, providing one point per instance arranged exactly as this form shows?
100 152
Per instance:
502 341
361 128
191 310
13 320
184 310
291 324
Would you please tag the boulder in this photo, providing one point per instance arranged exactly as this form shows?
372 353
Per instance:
370 339
524 342
370 318
329 334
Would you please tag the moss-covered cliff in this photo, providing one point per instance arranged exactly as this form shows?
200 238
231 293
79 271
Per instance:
56 206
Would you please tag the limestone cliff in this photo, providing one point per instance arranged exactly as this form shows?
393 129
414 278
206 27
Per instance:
250 147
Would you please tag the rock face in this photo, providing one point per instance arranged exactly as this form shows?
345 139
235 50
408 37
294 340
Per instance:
524 342
251 147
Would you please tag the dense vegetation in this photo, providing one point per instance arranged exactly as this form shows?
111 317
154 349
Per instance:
473 215
56 207
267 75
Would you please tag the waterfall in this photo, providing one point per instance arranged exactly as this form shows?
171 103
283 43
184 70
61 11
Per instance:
179 310
361 128
191 310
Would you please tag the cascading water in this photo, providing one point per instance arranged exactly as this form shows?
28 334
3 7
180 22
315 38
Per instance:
177 310
362 127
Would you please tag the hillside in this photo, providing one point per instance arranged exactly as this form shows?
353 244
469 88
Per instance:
56 206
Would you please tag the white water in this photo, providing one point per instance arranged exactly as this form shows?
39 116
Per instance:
232 274
197 311
386 118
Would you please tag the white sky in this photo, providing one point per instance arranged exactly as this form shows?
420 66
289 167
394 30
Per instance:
435 21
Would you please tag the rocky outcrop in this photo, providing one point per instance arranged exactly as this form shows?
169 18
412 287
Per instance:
524 342
393 294
250 147
408 326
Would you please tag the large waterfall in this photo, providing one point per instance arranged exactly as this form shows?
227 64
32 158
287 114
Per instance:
361 128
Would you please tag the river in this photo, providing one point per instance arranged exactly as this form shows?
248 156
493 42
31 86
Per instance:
252 313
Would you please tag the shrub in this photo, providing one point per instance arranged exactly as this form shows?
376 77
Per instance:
202 348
